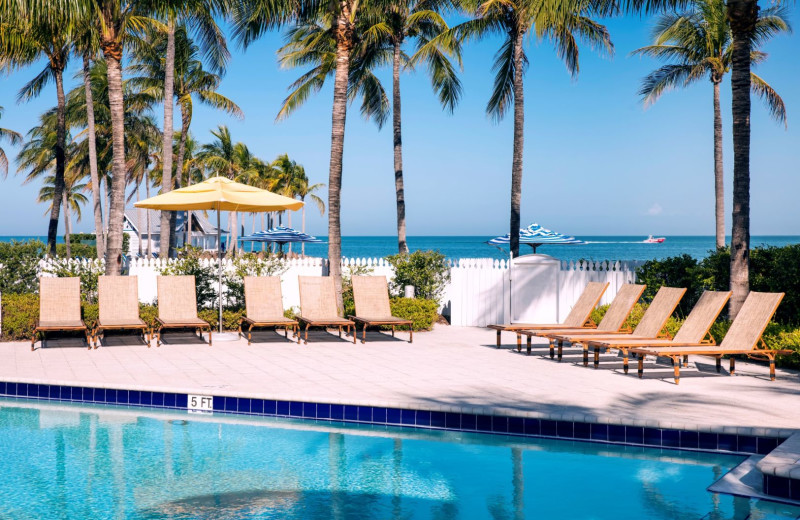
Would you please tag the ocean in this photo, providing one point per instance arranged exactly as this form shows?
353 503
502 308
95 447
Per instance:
596 248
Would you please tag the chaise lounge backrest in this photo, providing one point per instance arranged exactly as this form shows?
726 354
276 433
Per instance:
263 297
620 308
659 311
702 316
317 297
585 304
59 301
751 321
118 297
177 299
371 295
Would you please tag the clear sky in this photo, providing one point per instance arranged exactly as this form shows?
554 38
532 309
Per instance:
596 162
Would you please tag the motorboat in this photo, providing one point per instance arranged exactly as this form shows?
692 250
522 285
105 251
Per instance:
654 240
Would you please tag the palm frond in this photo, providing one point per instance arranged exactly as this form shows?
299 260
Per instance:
775 104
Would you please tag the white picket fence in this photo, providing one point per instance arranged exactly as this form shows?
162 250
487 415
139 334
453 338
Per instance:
481 291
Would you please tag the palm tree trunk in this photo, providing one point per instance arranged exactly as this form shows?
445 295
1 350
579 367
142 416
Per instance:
139 212
719 186
147 217
65 202
519 139
289 224
60 151
303 244
742 15
113 54
166 142
402 246
344 35
91 140
233 222
185 122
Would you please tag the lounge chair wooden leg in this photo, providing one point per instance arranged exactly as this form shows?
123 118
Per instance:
625 361
411 333
733 365
528 345
240 328
158 336
392 330
306 338
364 334
498 339
340 331
596 357
519 342
352 330
586 355
685 361
560 349
719 364
209 337
772 368
33 340
641 365
552 349
677 370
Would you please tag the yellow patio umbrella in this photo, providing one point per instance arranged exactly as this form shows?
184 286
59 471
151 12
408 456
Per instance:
220 194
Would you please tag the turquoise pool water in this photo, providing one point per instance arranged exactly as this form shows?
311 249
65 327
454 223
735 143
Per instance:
61 461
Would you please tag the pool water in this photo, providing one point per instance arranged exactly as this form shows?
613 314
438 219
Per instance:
64 461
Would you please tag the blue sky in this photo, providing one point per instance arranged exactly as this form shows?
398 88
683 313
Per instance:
596 162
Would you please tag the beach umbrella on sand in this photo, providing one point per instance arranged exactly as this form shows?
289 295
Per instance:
220 194
535 236
280 235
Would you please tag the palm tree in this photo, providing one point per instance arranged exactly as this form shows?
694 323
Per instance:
563 23
422 21
225 158
27 35
290 179
12 137
253 19
698 45
72 199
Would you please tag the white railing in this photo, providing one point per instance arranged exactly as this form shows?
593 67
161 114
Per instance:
481 290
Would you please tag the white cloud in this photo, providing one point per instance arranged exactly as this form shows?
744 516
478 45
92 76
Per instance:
655 209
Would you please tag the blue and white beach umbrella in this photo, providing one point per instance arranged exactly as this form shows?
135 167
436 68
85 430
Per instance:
535 236
280 235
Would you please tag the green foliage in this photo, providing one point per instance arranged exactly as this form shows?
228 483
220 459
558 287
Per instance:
427 271
19 266
249 264
671 327
19 314
190 262
230 318
77 250
148 313
423 313
87 271
676 271
347 286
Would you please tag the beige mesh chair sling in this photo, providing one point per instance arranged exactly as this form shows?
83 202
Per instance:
649 327
612 321
578 317
177 306
371 295
59 308
318 306
118 298
742 338
264 306
693 331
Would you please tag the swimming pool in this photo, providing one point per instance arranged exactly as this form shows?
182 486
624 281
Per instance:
76 461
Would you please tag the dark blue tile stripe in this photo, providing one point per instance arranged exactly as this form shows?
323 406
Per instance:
505 425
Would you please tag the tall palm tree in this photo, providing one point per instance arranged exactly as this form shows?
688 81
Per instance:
72 199
697 43
290 179
27 35
12 137
418 20
252 20
235 161
563 24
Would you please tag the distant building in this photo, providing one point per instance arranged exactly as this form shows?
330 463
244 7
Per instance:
204 234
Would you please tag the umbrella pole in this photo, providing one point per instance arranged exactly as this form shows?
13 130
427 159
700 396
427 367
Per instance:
219 265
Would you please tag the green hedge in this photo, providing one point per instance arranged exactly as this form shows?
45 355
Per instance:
424 313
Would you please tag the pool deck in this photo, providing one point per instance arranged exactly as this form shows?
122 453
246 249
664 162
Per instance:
449 369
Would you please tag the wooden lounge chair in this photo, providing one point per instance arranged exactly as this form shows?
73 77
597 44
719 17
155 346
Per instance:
694 331
612 321
118 298
371 295
264 306
742 338
578 317
649 327
318 306
177 306
59 308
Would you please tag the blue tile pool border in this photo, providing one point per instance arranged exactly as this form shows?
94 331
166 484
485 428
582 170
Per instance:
410 418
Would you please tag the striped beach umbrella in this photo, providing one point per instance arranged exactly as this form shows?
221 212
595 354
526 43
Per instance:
535 236
280 235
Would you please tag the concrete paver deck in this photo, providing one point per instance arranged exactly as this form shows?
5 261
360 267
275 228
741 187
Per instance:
450 369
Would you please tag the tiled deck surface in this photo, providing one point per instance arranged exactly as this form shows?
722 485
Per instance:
449 369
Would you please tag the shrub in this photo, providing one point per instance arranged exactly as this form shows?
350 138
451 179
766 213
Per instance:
249 264
671 327
19 315
427 271
189 262
677 271
19 266
230 318
423 313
